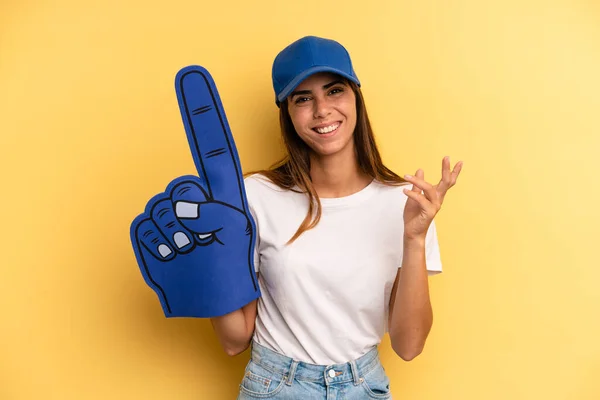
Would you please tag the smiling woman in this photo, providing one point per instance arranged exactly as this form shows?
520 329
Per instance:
323 112
344 249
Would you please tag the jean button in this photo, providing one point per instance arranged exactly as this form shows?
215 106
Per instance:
331 373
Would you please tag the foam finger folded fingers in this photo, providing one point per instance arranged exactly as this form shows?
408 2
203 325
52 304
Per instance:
165 219
151 237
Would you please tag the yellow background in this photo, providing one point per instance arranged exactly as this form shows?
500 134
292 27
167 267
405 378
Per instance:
90 130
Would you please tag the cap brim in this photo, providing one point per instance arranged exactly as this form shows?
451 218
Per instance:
305 74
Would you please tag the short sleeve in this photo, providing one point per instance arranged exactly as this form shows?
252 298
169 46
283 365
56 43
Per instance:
250 199
256 246
432 251
433 260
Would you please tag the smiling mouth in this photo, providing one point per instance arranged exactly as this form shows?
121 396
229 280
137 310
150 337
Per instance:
328 129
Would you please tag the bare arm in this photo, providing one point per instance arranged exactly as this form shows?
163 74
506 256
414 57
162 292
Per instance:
411 315
235 329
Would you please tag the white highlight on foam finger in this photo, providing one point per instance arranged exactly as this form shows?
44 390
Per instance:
204 236
181 239
164 250
184 209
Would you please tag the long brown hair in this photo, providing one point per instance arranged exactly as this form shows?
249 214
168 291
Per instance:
293 170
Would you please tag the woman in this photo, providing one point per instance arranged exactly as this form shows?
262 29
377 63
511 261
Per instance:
344 247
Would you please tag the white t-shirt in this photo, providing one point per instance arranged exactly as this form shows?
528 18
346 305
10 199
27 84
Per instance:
325 297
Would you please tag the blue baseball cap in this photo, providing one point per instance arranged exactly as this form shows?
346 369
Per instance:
305 57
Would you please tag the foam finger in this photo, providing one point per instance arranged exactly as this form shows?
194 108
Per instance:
149 236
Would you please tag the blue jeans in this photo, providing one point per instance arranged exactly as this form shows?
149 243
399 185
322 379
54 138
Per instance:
270 375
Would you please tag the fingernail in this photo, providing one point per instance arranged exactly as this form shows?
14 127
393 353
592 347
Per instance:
186 210
181 239
407 176
164 250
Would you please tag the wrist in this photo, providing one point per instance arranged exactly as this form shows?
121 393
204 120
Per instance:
414 242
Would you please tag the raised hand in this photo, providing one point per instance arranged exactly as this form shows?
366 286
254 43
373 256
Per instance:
195 242
425 200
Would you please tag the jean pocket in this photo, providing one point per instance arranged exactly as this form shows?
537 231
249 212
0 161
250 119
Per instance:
377 383
260 382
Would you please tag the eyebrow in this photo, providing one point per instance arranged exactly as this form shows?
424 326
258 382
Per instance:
330 84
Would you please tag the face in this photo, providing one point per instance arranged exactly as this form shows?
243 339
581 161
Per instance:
323 111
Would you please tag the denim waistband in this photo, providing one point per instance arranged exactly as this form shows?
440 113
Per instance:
326 374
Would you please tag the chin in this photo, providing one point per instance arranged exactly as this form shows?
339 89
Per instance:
333 149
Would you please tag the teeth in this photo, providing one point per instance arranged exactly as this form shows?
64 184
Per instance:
328 129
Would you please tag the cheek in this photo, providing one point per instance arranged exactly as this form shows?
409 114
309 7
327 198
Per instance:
350 113
300 120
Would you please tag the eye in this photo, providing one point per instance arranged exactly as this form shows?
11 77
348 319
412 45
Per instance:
300 100
336 90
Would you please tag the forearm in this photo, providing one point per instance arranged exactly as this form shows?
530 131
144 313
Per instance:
412 314
235 329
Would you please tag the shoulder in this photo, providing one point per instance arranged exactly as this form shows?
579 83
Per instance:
262 190
391 191
258 182
271 204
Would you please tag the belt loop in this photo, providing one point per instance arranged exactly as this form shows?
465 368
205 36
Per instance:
292 373
354 369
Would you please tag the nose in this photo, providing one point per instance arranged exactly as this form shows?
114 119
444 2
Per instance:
322 108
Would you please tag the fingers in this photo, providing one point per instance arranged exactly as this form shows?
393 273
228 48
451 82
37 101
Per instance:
422 200
186 196
419 180
209 136
165 220
446 172
182 218
207 220
419 184
455 173
187 189
161 209
199 214
147 234
449 176
420 175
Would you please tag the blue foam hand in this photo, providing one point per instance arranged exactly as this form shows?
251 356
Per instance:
194 243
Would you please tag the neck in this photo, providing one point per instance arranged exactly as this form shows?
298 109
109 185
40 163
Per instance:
337 175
